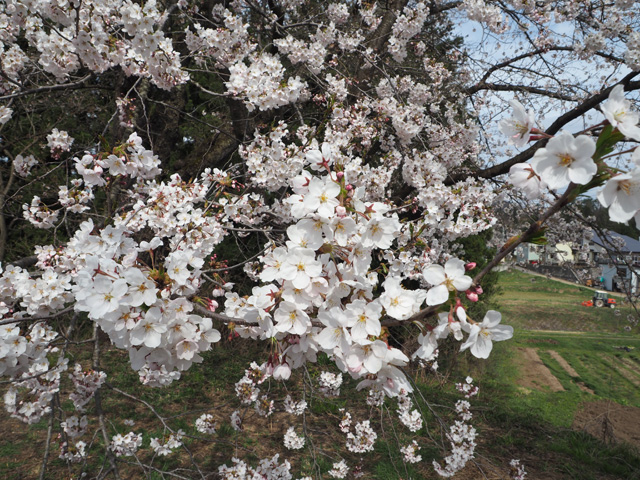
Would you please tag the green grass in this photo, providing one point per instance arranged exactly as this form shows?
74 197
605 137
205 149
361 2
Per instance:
538 303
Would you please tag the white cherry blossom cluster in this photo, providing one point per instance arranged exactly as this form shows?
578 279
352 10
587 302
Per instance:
97 34
409 453
126 301
21 349
518 471
228 44
268 468
23 165
205 423
490 15
412 419
406 26
59 141
338 13
125 445
165 448
339 470
375 397
467 388
271 160
292 440
310 53
5 114
462 437
345 423
39 215
29 399
262 84
329 384
74 427
76 199
567 159
264 406
632 55
363 438
236 420
85 385
294 408
248 392
304 287
73 454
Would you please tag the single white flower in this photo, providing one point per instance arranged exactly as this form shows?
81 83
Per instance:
448 279
300 267
621 194
566 159
618 111
291 319
399 302
518 128
482 335
522 176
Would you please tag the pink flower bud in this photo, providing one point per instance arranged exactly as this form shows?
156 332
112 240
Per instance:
479 290
212 304
349 187
341 211
472 296
470 266
340 175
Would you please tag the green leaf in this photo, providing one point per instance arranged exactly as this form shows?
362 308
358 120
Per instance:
538 238
606 141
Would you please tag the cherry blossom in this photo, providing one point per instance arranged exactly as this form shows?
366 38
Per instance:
445 279
518 128
522 176
482 335
621 194
566 159
620 114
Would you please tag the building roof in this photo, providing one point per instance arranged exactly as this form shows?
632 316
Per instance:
611 239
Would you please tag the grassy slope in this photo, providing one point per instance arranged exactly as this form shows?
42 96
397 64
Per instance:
537 422
537 303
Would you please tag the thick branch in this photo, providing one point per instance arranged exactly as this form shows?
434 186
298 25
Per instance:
555 127
50 88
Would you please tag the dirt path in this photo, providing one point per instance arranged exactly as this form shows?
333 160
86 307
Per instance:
570 370
563 363
579 333
566 282
534 374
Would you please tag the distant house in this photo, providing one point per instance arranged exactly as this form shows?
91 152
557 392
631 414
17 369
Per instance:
613 259
618 257
528 253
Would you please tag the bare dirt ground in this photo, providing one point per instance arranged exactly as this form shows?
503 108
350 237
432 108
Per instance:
609 421
534 374
603 419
